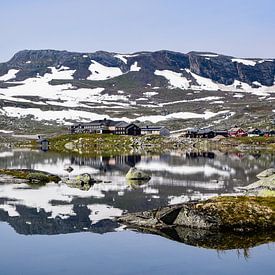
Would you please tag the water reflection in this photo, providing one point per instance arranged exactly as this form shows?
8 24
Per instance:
215 240
176 177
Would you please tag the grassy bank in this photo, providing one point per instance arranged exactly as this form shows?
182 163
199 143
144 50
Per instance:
110 145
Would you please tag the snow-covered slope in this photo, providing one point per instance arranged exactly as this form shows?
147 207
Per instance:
155 87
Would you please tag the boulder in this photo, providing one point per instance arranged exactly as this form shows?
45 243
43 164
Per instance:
266 173
264 183
224 214
83 182
136 174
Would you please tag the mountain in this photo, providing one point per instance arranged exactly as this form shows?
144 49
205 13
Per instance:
176 89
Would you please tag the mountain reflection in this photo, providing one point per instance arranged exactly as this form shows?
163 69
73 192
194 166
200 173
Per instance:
176 177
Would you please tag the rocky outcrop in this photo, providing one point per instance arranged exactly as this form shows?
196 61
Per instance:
265 186
223 214
219 68
27 176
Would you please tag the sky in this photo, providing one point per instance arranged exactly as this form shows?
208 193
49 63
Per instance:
242 28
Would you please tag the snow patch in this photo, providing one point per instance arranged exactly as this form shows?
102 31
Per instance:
64 116
135 67
175 79
180 115
209 55
244 61
101 72
11 74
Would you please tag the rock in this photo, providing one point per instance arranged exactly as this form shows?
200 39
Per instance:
213 239
135 184
224 214
37 177
136 174
264 183
69 146
69 169
266 173
31 176
83 182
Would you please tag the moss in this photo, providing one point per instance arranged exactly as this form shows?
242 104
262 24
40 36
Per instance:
222 214
241 212
30 175
266 193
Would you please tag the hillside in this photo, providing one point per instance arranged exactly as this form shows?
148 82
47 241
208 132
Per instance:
58 88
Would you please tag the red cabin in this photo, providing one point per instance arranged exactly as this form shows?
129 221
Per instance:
237 132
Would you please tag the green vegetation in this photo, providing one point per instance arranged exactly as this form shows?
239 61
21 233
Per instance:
31 175
109 145
241 212
92 144
235 214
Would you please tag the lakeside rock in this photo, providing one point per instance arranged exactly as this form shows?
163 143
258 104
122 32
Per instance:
28 176
222 214
265 186
82 182
136 174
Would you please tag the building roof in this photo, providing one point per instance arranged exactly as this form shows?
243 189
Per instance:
99 122
152 128
123 124
205 131
254 130
236 129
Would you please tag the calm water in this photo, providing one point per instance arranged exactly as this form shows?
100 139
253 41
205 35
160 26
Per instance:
55 229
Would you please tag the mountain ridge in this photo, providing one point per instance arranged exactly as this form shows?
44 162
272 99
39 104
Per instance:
177 89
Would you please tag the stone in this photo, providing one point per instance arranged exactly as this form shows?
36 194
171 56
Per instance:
69 169
83 182
136 174
224 214
266 173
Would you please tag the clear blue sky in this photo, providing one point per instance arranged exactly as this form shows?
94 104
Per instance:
243 28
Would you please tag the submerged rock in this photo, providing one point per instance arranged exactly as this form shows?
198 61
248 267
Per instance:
136 174
236 214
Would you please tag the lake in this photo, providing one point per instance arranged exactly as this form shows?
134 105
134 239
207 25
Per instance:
55 229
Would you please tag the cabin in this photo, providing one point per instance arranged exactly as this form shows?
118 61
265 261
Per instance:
237 132
255 132
270 133
192 133
43 143
124 128
223 133
155 130
205 133
104 126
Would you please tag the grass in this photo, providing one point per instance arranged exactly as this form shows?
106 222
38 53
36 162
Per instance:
92 144
108 144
